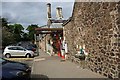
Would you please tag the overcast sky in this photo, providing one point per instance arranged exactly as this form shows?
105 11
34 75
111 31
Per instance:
26 13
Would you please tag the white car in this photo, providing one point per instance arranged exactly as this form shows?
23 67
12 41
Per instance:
17 51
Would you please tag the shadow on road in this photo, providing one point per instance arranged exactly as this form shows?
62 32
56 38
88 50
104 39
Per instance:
39 77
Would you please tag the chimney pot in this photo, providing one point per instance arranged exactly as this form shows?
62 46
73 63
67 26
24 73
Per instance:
48 10
59 13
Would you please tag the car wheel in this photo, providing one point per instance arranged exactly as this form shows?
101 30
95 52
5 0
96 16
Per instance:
7 55
28 55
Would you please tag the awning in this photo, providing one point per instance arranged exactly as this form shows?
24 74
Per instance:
48 30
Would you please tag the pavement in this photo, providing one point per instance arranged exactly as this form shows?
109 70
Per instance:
52 67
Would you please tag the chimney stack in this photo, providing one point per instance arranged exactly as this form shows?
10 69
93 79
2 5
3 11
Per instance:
48 10
59 13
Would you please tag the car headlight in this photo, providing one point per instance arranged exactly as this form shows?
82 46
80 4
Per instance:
21 73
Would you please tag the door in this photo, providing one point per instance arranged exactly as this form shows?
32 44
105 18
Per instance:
12 51
20 51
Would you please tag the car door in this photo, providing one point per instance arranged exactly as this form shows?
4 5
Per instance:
12 51
20 51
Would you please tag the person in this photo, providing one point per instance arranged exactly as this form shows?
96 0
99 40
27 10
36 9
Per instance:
82 57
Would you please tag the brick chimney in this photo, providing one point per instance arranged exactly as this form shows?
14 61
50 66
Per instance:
48 10
59 13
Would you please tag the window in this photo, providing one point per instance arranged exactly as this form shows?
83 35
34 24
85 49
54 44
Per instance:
12 48
20 48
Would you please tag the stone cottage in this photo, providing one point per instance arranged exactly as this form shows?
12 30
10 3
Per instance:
96 26
51 35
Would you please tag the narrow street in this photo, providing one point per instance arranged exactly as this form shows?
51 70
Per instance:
52 67
84 32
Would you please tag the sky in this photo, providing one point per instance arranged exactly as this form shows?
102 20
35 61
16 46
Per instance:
33 11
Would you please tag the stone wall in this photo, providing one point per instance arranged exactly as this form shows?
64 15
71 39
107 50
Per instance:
69 37
42 44
97 26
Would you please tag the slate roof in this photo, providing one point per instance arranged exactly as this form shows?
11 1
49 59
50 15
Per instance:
56 25
57 21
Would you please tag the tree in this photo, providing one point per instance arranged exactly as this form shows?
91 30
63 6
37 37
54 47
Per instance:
12 33
25 37
7 36
31 29
4 22
18 32
11 28
18 28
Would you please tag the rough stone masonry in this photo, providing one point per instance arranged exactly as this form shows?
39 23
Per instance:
97 26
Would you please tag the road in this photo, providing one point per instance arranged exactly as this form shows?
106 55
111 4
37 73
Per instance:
45 66
28 61
53 67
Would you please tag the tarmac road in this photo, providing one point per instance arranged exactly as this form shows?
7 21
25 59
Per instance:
28 61
53 67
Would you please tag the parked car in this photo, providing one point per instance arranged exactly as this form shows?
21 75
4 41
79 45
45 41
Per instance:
34 45
14 70
10 51
31 48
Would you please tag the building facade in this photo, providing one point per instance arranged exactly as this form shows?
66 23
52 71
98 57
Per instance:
51 36
96 27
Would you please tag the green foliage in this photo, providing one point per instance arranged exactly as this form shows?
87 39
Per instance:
25 37
7 38
11 28
4 22
18 28
31 29
11 34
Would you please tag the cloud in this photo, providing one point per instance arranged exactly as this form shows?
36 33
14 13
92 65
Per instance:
28 13
0 8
